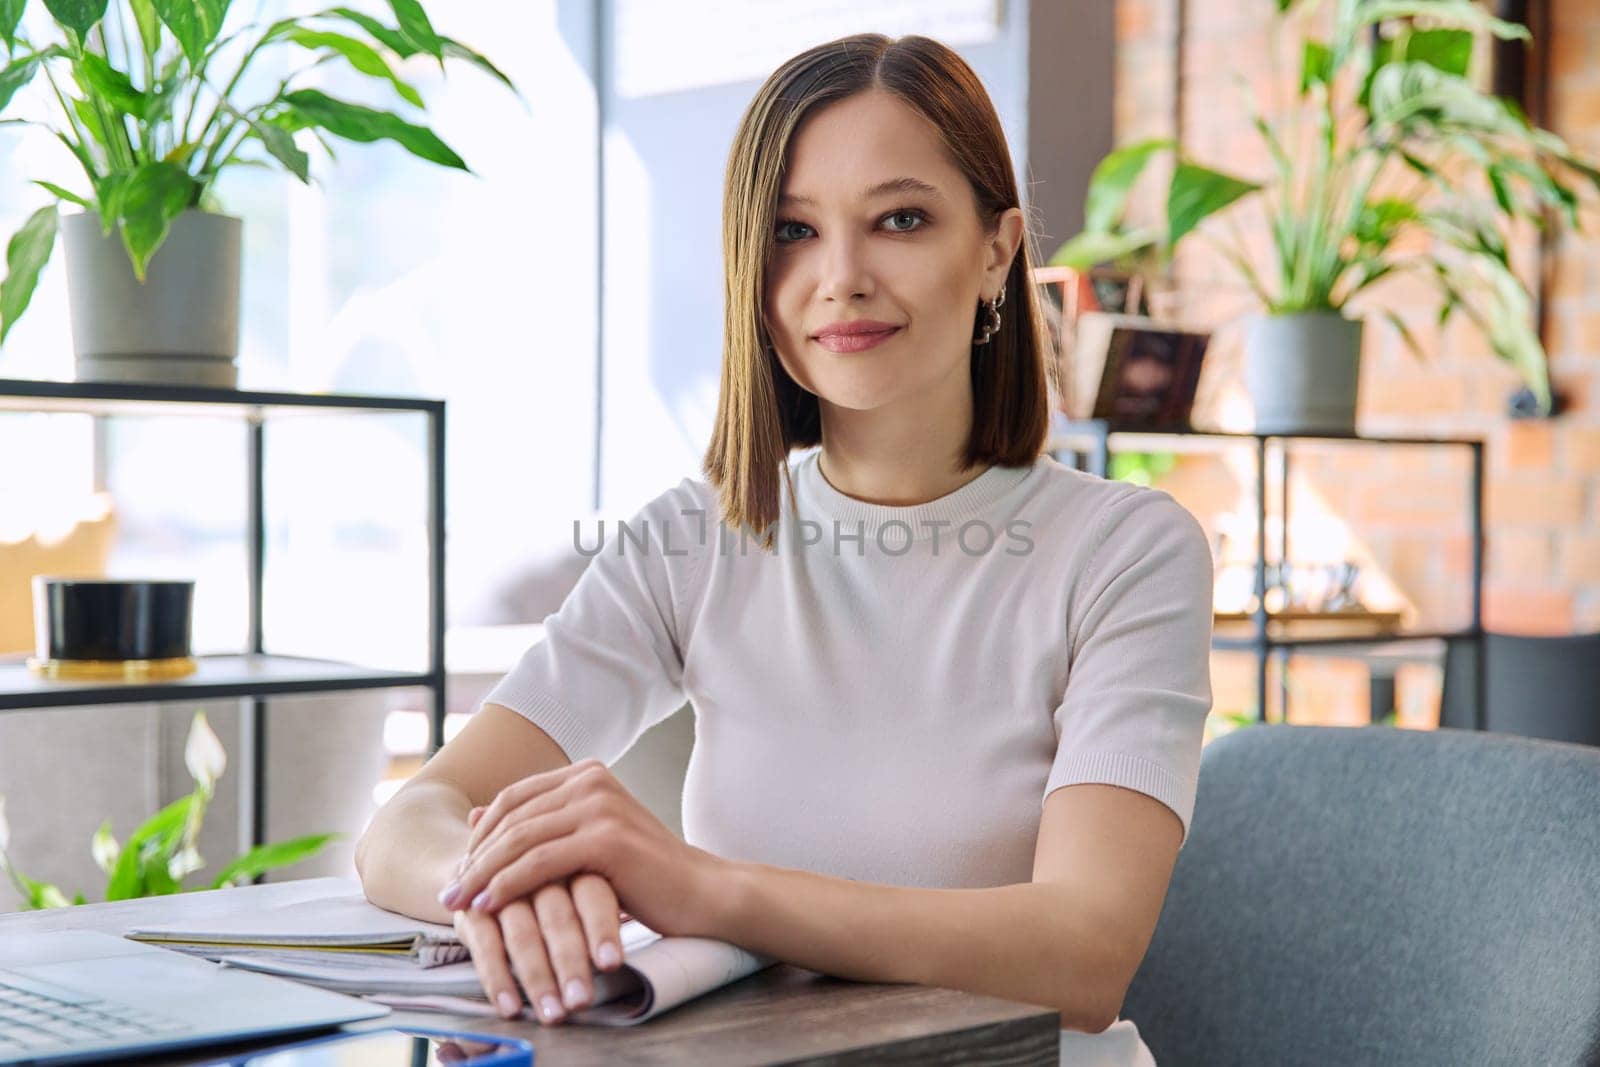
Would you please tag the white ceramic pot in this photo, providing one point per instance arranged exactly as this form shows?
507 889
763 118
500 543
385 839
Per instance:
181 325
1302 372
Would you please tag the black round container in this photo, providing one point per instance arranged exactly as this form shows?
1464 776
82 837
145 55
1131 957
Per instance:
99 626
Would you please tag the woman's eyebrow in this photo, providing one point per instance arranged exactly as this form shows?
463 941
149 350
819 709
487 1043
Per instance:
893 185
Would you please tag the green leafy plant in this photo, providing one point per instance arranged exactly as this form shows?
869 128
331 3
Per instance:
1141 468
150 103
161 853
1389 161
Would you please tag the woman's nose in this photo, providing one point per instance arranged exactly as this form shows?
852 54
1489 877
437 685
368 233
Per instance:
845 272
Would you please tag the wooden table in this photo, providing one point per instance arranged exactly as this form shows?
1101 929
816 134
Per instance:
781 1015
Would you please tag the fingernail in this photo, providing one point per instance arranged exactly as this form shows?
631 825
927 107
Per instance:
450 894
575 994
610 955
508 1005
481 901
549 1008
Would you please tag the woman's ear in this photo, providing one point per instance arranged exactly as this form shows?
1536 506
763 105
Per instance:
1003 243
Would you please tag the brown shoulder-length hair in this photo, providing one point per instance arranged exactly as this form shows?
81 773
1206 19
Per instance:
762 413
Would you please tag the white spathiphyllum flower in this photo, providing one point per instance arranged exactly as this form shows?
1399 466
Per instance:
54 898
104 847
203 754
184 863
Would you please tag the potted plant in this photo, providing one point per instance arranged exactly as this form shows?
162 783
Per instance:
162 852
151 101
1391 162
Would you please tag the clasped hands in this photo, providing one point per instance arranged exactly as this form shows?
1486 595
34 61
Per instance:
547 868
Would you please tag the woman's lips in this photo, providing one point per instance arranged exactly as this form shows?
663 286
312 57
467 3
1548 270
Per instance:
855 342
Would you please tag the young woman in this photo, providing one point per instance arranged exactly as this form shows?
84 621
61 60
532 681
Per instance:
949 693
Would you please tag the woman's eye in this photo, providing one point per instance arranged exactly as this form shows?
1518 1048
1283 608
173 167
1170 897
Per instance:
916 217
783 225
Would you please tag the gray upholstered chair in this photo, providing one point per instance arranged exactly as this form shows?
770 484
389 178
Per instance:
1380 896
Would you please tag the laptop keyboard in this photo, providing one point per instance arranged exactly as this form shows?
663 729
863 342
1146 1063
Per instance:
32 1021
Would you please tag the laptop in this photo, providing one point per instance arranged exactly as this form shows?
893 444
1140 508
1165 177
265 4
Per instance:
77 995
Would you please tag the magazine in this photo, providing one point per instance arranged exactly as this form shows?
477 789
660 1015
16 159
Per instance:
345 943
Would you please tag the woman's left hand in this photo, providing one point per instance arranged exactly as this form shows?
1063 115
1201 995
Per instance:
551 826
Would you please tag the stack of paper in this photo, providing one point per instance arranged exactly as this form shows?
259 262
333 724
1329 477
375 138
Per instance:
345 943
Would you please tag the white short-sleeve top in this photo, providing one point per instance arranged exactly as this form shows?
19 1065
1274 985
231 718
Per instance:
890 695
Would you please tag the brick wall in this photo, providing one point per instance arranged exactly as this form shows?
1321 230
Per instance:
1402 512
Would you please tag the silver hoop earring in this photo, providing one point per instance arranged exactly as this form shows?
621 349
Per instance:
991 321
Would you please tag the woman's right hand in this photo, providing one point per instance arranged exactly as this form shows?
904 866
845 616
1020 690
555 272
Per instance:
546 943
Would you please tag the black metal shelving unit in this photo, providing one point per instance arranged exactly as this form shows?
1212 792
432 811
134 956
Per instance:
1087 444
255 674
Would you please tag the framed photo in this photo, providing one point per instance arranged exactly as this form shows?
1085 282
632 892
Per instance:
1135 373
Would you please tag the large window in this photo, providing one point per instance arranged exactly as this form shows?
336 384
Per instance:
388 275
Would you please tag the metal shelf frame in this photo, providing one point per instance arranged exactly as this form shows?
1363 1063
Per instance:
1087 445
255 675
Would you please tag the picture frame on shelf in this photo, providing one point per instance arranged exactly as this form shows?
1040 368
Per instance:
1134 372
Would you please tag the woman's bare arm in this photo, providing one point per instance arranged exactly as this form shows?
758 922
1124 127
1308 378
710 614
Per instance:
410 850
1071 939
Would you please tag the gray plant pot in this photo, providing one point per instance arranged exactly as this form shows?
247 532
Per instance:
1302 372
181 325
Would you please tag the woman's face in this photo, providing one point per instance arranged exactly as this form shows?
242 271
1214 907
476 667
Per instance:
875 222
